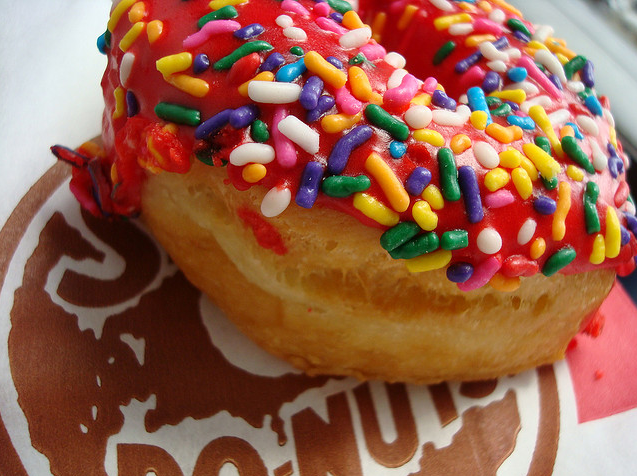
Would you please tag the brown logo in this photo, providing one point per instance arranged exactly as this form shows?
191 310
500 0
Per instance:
116 365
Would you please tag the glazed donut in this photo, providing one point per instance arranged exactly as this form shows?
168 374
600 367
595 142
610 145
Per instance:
349 216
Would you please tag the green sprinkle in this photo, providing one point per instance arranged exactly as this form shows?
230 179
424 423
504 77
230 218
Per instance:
205 156
399 235
178 114
590 208
550 184
584 94
297 51
493 101
107 38
360 58
559 260
341 186
381 118
448 175
418 246
574 65
517 25
454 240
244 50
444 51
544 144
224 13
573 150
259 131
503 109
340 6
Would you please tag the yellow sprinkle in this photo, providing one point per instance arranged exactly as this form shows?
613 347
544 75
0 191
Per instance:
561 58
424 216
93 149
361 87
527 165
406 17
563 207
335 123
547 165
389 183
429 136
496 179
459 143
467 7
217 4
423 99
120 102
613 136
511 158
378 26
485 6
155 153
507 6
154 30
325 70
174 64
137 12
119 10
613 236
501 283
536 45
538 114
428 262
522 182
567 131
252 173
372 208
352 21
479 120
598 255
434 197
474 40
538 248
575 173
517 96
262 76
194 86
443 23
131 35
502 134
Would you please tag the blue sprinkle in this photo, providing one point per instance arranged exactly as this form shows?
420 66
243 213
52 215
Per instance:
525 122
311 92
588 74
213 125
517 75
132 106
201 63
545 205
631 221
578 133
250 31
459 272
417 181
102 46
337 17
334 62
325 103
343 148
397 149
625 235
272 62
521 36
478 102
290 72
244 116
593 105
310 184
440 99
554 78
468 181
491 82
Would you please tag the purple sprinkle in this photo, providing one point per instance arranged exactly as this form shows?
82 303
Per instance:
310 184
625 235
468 181
615 163
459 272
244 116
417 181
325 103
545 205
201 63
501 43
311 92
463 65
250 31
272 62
132 106
343 148
491 82
631 221
514 106
337 17
440 99
521 36
212 125
588 74
334 62
554 78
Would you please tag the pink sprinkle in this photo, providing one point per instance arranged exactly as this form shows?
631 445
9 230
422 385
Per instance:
346 102
373 51
430 85
499 199
482 25
284 148
330 25
401 95
482 274
322 9
474 75
539 76
208 30
294 7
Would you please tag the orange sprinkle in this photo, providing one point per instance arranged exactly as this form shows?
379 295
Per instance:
407 16
352 21
474 40
499 282
460 143
378 26
567 131
506 6
137 12
538 248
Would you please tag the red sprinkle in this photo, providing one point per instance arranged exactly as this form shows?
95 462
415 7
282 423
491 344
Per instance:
518 265
266 234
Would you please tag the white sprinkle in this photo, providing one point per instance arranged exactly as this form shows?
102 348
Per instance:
269 92
396 78
94 412
83 428
542 32
527 231
418 117
629 207
609 118
497 15
395 59
443 117
600 161
458 29
486 155
284 21
356 38
575 86
252 152
513 53
490 52
463 99
300 133
529 88
443 5
588 125
559 117
489 241
550 61
125 68
497 66
295 33
543 101
276 201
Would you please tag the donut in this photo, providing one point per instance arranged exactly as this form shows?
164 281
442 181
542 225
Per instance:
353 215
